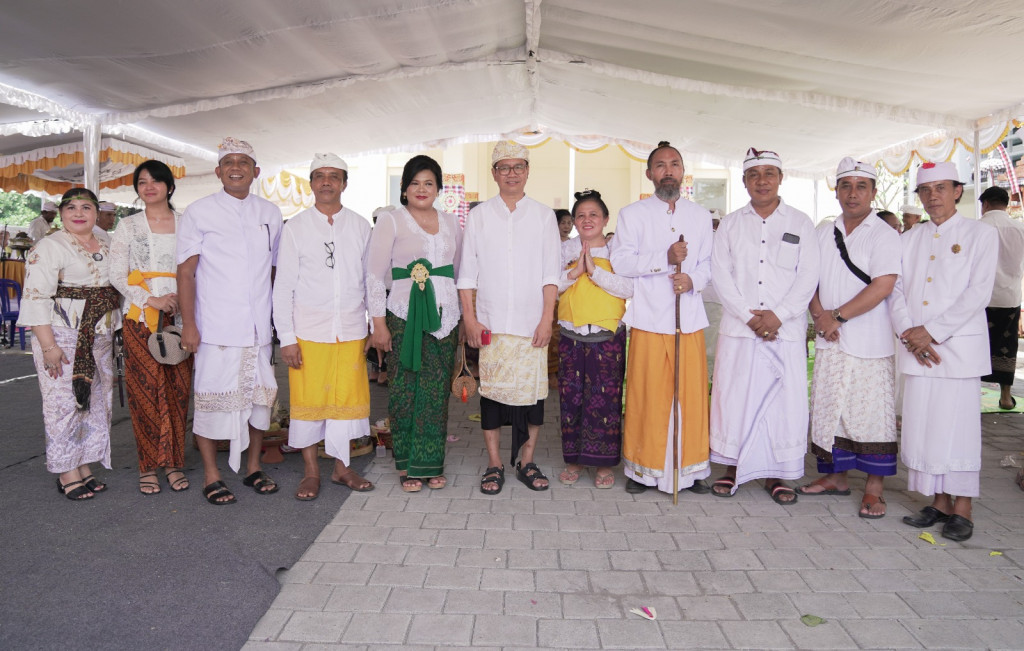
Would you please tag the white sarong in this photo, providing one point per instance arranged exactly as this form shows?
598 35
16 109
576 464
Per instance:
513 371
234 388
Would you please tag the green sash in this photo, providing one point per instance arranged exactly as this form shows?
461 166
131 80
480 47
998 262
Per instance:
423 314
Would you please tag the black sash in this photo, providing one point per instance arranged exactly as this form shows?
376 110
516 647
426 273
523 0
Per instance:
845 255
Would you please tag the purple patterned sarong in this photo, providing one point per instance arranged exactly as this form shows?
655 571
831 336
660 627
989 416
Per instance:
590 388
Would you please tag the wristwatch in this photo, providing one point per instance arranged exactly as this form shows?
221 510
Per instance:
838 317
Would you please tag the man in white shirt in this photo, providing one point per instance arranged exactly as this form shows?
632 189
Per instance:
938 308
1003 311
911 216
227 248
665 445
853 412
40 226
764 267
511 255
320 315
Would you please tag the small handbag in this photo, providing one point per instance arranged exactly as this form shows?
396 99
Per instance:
165 344
463 382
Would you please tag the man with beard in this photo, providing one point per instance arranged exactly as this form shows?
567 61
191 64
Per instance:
652 246
764 268
938 307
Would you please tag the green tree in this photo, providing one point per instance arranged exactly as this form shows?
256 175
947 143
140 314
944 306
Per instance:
18 209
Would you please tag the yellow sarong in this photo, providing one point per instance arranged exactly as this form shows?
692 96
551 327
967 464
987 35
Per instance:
332 383
649 385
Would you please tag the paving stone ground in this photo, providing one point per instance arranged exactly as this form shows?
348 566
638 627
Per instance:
562 568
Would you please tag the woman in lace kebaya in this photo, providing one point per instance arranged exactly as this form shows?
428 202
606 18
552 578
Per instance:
419 246
73 312
592 347
142 267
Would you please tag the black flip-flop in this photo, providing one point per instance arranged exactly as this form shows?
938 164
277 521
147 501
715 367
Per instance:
213 492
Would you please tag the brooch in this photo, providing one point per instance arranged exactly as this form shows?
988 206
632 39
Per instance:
956 248
419 275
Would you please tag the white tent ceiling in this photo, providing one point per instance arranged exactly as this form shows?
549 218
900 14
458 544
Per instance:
814 80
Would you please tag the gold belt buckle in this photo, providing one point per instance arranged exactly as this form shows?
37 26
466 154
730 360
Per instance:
420 275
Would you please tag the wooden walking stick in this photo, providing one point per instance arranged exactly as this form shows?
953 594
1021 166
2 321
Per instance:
676 408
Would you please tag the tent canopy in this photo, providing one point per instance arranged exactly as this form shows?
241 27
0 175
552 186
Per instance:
813 80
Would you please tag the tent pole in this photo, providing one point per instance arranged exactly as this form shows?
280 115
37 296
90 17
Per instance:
91 135
977 171
815 216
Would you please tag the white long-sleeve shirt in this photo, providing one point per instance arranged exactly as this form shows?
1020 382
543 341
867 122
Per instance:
1007 289
644 233
948 272
508 257
611 282
312 300
874 247
236 241
397 240
765 264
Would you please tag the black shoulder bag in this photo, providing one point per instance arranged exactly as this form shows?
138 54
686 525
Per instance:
845 255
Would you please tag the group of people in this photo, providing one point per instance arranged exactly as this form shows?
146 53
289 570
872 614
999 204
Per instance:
416 286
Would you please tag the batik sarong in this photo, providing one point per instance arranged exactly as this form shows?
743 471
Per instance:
158 397
418 402
590 390
74 436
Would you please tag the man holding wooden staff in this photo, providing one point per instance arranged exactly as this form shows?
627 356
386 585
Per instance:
666 370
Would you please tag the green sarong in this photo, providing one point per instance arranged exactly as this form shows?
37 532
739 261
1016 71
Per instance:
423 313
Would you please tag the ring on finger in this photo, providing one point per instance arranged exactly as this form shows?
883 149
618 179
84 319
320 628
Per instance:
821 333
925 354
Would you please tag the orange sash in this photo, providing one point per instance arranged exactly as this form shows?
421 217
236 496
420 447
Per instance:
139 278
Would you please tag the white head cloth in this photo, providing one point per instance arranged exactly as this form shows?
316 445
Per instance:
912 209
231 145
849 167
107 206
755 158
508 150
49 206
327 160
929 172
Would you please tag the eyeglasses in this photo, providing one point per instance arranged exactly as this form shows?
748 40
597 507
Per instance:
518 168
329 246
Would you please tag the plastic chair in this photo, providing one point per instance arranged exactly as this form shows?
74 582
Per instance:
10 309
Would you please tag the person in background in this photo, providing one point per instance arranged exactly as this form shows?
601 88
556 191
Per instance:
108 216
911 216
73 312
42 225
418 324
1003 311
891 219
565 222
592 347
142 268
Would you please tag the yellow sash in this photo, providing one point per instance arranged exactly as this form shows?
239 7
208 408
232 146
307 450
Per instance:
587 304
139 278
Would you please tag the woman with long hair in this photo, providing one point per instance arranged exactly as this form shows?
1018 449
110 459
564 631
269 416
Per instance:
142 267
418 323
73 312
